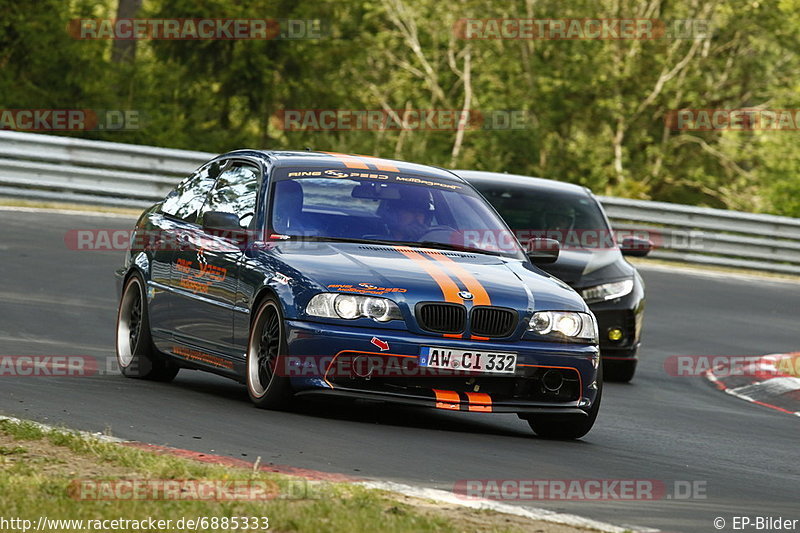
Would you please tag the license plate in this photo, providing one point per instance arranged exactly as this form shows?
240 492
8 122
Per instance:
468 360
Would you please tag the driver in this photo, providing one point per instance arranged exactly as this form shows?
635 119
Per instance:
559 221
560 218
409 217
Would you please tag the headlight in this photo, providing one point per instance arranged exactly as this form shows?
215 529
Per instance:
567 323
607 291
351 306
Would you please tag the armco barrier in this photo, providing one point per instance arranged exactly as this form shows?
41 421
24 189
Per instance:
49 167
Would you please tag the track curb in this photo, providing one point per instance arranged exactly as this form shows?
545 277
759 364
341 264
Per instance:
771 381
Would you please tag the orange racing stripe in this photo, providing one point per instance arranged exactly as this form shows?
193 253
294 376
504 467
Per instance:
348 160
447 399
481 297
380 164
449 288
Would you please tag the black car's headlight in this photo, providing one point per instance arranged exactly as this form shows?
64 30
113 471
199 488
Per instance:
351 306
607 291
568 324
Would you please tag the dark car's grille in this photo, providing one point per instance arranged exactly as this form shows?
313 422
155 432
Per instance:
493 321
442 318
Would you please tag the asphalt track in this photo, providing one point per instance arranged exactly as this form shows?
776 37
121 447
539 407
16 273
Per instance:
55 301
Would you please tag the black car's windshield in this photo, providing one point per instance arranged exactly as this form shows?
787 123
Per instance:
573 219
391 209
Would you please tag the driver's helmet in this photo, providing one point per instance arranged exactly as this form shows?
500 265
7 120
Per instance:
412 199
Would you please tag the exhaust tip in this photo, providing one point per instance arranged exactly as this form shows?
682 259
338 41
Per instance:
552 380
362 367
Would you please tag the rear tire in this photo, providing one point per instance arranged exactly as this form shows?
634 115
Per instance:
267 388
619 370
567 427
136 355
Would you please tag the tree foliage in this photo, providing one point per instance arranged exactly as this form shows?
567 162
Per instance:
595 109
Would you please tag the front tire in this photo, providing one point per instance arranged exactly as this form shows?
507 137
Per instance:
567 427
136 355
267 388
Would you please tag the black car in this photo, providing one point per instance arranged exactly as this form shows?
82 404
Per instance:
590 259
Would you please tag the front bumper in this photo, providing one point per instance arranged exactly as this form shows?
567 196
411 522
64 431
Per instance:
624 314
380 364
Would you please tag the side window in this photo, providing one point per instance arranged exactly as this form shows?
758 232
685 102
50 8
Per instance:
235 192
187 198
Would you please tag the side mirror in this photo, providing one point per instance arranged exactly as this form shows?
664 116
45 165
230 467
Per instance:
219 220
543 251
214 170
635 246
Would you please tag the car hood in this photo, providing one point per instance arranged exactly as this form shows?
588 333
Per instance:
587 267
414 275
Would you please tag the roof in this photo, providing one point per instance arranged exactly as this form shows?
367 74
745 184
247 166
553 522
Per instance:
477 177
340 161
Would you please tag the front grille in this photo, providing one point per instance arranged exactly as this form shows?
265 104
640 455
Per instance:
493 321
441 318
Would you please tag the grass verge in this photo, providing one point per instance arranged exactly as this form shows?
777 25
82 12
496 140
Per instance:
40 469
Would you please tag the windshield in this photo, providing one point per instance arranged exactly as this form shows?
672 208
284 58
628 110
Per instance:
387 208
574 220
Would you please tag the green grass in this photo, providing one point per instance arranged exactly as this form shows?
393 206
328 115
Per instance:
38 484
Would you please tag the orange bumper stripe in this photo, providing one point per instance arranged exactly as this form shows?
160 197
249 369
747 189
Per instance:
479 402
446 399
480 296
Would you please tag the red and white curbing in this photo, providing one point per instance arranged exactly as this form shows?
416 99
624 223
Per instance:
770 381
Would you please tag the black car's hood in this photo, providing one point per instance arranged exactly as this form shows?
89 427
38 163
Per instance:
586 267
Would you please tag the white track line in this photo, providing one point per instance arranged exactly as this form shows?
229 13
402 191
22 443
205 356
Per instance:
49 429
532 513
700 272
